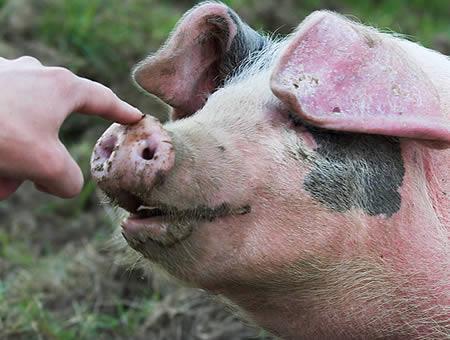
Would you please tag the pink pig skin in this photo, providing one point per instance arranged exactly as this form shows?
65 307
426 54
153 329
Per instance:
313 224
366 83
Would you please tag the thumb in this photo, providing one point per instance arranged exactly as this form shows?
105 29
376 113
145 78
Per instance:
63 177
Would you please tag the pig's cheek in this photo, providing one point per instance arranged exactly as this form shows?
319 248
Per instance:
350 172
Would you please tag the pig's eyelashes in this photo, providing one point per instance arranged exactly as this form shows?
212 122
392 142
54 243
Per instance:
298 121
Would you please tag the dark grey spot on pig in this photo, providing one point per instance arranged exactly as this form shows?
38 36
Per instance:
221 148
246 42
108 165
356 171
336 109
99 167
219 30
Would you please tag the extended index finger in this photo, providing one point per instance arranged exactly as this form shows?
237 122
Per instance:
97 99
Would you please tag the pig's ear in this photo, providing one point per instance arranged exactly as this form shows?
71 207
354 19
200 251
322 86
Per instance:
208 44
339 75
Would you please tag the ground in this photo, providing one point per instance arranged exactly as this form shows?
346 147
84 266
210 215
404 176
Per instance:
60 275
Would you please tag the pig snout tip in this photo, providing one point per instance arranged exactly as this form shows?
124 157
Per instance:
127 158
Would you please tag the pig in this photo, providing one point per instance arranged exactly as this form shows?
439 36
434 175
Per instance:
303 180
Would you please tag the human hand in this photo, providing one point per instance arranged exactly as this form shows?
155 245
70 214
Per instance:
34 102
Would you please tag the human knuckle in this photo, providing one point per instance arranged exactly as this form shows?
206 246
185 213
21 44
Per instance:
28 60
60 73
107 95
107 92
111 96
64 79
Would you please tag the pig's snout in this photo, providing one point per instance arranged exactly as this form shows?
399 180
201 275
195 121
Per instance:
129 161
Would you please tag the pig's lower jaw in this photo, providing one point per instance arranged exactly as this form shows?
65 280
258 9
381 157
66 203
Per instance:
168 226
139 232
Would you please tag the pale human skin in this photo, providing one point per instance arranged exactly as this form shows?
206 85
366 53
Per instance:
34 102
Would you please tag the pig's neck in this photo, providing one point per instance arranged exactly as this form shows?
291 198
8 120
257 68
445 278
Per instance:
345 302
436 165
291 316
392 283
367 310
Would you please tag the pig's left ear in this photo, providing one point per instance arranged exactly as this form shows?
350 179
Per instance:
209 43
339 75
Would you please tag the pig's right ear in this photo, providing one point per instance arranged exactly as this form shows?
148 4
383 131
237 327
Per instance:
338 75
207 46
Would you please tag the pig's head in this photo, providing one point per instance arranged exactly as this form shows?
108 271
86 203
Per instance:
249 188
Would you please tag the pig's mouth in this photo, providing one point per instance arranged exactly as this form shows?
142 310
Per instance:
168 225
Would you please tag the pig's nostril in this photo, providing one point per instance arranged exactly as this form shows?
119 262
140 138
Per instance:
148 153
107 146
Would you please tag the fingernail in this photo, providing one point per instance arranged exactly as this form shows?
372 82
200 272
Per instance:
133 108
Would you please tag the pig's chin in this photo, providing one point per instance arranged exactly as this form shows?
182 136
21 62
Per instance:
167 225
150 225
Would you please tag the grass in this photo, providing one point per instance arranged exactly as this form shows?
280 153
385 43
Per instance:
57 280
109 35
64 295
32 318
419 19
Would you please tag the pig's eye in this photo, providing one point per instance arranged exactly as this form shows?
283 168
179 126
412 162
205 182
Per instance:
295 119
178 114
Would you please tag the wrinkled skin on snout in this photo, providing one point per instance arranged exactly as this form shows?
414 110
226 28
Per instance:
304 180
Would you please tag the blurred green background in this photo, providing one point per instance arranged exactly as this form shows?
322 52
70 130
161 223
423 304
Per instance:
59 275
